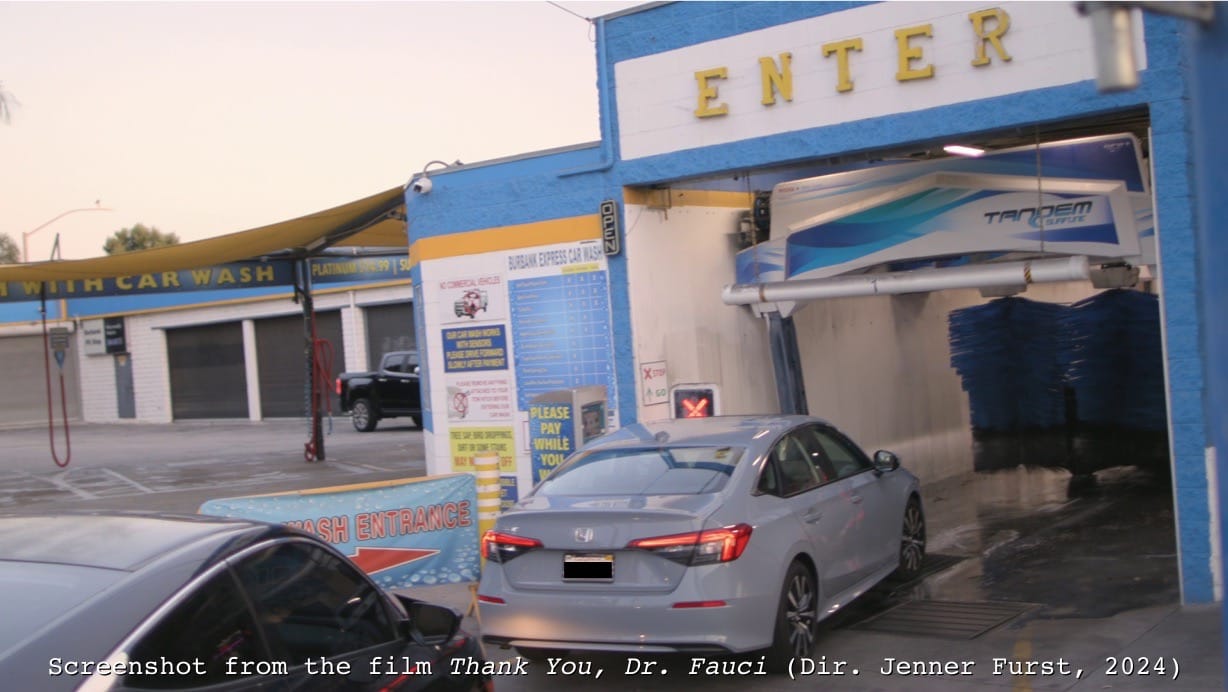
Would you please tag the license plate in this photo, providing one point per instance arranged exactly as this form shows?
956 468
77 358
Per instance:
588 566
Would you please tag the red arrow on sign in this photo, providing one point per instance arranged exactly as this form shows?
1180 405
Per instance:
372 560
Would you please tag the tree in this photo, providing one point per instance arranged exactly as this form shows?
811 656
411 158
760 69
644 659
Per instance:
9 252
6 104
138 237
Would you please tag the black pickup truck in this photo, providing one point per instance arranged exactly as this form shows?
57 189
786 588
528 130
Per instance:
391 391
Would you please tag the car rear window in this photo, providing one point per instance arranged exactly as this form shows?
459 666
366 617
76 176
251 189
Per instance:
644 471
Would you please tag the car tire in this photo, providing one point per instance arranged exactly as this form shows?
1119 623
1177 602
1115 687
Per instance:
417 421
912 542
362 415
536 655
797 619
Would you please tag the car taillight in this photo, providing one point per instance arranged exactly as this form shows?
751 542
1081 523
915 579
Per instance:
699 547
338 386
501 547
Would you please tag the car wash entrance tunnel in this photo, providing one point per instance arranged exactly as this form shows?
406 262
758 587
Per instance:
1033 409
1065 504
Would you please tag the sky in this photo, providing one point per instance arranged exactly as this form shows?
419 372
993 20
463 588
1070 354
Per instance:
205 118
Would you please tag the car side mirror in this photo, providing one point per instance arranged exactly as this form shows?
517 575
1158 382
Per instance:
885 461
429 624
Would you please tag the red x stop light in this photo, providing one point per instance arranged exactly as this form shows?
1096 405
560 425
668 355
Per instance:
694 403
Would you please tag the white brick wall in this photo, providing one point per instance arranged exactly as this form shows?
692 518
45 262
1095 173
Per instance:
147 345
354 331
98 402
676 311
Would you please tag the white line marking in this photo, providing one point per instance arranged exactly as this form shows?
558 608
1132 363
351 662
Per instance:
65 485
346 467
124 479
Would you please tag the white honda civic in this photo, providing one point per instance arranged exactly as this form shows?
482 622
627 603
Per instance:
724 535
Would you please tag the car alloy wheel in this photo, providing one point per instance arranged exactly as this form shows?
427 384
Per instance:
800 613
912 543
796 619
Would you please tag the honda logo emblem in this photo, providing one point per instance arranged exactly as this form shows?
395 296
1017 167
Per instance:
584 535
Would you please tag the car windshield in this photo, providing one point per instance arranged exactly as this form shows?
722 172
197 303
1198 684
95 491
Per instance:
38 593
644 471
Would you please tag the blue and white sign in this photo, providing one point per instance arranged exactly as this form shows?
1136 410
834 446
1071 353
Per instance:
420 532
467 349
1091 201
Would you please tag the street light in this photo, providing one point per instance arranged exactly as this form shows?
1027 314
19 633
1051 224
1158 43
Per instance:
25 236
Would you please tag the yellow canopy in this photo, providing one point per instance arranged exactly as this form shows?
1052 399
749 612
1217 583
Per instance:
375 221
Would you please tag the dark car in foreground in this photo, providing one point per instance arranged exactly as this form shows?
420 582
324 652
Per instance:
126 601
716 535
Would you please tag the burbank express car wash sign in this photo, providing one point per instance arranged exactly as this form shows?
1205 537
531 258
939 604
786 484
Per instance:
421 532
249 274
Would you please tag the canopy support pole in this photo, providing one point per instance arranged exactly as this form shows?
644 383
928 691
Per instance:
302 292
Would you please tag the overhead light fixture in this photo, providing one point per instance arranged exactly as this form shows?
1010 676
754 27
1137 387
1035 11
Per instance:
963 150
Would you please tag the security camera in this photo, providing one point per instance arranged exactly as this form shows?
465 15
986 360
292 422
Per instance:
422 185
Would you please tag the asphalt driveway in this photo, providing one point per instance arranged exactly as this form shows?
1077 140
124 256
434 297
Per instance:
178 466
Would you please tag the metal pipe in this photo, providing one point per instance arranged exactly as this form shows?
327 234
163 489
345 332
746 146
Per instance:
605 104
916 281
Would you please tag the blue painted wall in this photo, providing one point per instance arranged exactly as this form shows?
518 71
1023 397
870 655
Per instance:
1208 53
1174 171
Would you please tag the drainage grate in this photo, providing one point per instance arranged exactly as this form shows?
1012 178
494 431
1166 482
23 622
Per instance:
946 619
936 562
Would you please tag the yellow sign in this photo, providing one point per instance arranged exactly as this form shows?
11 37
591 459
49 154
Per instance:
468 442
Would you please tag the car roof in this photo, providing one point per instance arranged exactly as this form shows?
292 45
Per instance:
743 430
111 540
124 566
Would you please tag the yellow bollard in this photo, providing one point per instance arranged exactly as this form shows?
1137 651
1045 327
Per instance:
490 492
486 467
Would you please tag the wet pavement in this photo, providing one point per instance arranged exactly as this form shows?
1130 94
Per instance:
1089 546
1088 565
1163 648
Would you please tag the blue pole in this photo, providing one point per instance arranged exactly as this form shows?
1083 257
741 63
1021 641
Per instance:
1208 54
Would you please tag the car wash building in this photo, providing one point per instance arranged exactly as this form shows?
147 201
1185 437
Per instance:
227 327
774 221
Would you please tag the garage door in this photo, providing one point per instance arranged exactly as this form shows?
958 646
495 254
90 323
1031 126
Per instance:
389 328
26 383
281 359
207 372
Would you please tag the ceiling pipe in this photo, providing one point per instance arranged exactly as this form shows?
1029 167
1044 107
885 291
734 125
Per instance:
916 281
